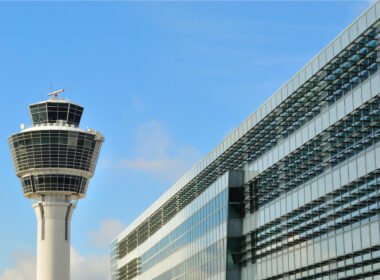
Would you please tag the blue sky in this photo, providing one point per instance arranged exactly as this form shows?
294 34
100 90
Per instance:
164 81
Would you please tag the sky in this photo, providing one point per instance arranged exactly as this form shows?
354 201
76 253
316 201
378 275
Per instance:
165 82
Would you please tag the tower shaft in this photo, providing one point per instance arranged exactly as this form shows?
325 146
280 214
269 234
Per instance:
53 214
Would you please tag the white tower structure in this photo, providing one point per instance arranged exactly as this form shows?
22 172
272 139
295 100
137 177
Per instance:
54 160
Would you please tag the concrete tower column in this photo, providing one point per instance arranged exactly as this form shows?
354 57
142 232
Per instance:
53 214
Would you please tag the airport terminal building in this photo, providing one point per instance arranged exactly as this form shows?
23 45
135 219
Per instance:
289 194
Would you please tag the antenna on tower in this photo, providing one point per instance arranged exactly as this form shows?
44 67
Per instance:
69 93
55 93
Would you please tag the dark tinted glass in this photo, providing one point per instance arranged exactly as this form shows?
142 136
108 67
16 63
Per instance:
51 112
236 194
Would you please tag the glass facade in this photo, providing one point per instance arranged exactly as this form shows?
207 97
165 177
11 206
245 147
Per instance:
195 240
301 179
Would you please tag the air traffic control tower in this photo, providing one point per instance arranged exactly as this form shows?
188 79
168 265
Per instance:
55 161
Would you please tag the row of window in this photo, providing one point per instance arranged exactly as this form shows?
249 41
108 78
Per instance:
57 106
338 78
216 219
359 131
54 182
70 141
214 205
173 206
352 67
129 271
196 261
340 210
43 137
34 151
358 265
345 208
50 112
54 159
206 270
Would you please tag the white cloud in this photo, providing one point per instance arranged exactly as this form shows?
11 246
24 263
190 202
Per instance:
107 231
90 267
25 267
153 148
137 104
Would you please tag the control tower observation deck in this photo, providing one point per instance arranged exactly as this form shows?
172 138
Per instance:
55 160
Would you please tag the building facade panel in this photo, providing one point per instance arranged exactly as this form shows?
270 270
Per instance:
193 244
303 183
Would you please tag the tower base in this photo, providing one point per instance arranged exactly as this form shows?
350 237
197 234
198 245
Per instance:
53 214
